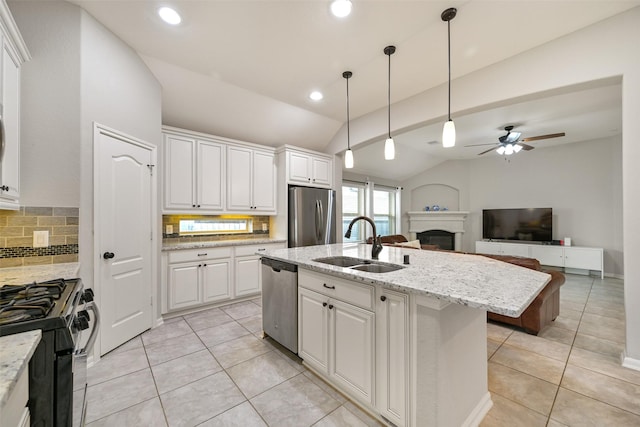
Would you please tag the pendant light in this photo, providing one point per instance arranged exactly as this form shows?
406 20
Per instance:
348 155
389 146
449 130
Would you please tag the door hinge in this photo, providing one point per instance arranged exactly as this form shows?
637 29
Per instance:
151 168
151 235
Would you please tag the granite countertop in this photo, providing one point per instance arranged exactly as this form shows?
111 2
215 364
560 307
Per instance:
219 243
15 352
466 279
38 273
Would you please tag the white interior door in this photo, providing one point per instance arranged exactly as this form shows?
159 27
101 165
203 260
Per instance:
123 221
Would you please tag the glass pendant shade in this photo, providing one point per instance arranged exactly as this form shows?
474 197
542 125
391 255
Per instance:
508 150
341 8
348 159
517 148
449 134
389 149
500 150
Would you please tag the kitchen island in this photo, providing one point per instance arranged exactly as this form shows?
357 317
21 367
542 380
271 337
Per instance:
409 345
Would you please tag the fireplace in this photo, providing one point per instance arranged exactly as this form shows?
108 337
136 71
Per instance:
443 239
450 222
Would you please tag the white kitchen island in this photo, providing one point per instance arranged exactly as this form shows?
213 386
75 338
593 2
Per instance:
408 345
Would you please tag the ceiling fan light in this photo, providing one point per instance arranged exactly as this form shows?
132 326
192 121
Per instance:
500 150
389 149
341 8
170 16
449 134
517 148
508 150
348 159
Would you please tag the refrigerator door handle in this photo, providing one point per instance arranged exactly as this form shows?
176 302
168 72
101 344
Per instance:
319 221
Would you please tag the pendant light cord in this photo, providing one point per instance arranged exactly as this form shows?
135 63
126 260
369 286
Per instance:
348 137
449 56
389 98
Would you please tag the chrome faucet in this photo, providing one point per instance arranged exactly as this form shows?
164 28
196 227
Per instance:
377 242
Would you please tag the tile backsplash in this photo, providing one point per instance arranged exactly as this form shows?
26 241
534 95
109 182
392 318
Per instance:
16 235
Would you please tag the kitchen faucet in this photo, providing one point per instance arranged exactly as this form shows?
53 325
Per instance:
377 242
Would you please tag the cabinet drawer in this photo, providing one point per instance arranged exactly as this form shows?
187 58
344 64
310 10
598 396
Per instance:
199 254
358 294
252 249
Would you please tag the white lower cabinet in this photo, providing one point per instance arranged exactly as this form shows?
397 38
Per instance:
392 356
196 277
337 337
248 275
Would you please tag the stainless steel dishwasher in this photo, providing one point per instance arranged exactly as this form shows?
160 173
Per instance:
280 302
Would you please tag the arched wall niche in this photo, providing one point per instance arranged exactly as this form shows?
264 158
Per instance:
442 195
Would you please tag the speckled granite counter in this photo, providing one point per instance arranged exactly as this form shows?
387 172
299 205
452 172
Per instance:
38 273
469 280
15 352
219 243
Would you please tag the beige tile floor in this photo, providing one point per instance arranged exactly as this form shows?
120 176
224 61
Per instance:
212 369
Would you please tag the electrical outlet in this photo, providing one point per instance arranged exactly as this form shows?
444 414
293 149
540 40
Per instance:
41 239
169 229
264 227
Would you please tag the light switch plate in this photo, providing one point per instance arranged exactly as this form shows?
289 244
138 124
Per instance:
41 239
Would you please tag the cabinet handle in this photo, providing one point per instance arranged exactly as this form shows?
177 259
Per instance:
383 298
204 265
4 188
198 205
202 254
308 179
324 304
199 265
330 306
328 287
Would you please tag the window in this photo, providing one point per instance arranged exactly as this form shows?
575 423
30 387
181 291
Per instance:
353 205
384 210
215 226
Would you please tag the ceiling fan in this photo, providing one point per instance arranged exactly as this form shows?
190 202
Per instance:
511 142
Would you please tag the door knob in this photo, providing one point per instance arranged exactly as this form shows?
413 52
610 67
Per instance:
108 255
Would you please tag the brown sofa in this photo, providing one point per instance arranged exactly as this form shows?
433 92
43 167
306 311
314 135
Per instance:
543 309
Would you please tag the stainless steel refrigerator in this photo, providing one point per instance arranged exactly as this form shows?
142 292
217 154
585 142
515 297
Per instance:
312 216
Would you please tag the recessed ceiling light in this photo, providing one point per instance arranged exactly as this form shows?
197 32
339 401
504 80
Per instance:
341 8
316 96
169 15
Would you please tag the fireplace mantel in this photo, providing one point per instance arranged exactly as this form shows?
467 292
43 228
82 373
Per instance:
451 221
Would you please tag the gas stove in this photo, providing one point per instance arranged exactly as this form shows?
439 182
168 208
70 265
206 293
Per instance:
57 370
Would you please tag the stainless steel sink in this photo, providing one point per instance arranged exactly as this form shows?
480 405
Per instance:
359 264
342 261
377 268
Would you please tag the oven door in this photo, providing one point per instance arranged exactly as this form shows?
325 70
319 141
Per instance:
80 369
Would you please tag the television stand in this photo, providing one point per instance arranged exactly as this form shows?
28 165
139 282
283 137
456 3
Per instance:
574 259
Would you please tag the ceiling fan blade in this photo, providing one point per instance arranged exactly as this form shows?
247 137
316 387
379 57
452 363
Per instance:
526 147
539 137
485 152
480 145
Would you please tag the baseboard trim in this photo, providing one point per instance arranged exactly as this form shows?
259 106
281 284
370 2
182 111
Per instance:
479 412
629 362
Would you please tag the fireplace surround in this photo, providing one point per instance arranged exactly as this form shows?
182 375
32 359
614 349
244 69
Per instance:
449 221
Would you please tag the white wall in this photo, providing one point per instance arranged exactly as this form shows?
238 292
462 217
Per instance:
604 50
50 115
582 182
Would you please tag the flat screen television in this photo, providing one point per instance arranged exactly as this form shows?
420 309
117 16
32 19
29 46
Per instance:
529 224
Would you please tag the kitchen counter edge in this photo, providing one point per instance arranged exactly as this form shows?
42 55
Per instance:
219 243
38 273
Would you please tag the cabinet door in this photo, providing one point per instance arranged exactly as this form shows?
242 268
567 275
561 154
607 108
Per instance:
264 182
210 184
313 329
248 275
392 356
179 188
583 258
216 280
515 249
298 165
489 248
10 161
351 348
239 167
183 284
548 255
321 171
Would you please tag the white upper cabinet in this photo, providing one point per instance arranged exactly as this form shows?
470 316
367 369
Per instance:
194 175
306 168
206 174
14 53
252 181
